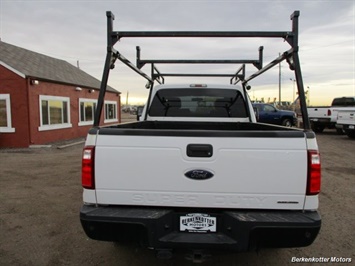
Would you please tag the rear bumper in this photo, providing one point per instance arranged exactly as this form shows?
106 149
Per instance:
322 121
239 230
346 127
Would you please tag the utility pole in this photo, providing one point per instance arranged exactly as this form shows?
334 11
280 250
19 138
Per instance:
293 94
279 82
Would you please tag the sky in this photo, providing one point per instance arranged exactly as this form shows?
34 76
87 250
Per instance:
76 31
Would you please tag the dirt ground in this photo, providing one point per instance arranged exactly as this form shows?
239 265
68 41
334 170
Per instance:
41 195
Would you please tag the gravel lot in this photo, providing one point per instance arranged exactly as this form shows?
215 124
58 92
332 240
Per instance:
41 197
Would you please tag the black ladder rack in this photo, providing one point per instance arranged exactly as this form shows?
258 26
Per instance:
291 56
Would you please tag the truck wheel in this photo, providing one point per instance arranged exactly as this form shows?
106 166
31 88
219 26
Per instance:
287 122
350 134
340 131
317 128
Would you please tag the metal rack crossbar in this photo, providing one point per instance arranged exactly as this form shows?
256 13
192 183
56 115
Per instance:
141 62
117 35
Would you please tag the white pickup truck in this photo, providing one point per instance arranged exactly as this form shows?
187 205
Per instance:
322 117
198 171
346 122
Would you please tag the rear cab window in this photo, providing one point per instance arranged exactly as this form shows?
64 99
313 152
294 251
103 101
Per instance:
344 101
200 102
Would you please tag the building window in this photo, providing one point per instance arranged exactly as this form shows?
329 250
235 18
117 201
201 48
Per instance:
87 108
54 112
5 114
110 111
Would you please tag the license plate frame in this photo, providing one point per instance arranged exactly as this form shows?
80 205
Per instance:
198 223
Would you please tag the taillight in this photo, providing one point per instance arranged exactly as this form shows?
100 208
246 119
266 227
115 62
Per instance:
329 112
314 173
87 169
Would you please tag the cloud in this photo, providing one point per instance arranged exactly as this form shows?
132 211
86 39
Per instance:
76 30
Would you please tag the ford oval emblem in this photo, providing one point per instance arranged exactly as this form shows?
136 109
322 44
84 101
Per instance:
199 174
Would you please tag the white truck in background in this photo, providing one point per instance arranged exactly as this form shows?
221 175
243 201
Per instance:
198 171
346 122
322 117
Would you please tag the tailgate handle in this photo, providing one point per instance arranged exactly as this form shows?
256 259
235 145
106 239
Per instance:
199 150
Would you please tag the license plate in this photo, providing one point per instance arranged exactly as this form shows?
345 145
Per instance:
198 223
351 127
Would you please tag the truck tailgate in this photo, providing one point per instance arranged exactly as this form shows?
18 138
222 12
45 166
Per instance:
346 117
248 172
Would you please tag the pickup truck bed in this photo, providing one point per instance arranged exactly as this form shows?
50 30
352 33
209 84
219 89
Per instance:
175 148
193 125
251 209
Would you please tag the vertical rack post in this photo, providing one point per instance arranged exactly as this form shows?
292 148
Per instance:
297 69
106 71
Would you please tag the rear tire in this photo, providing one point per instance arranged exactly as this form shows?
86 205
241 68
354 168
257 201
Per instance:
350 134
317 127
287 122
340 131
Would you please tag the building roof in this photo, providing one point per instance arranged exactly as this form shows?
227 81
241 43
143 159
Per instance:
36 65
